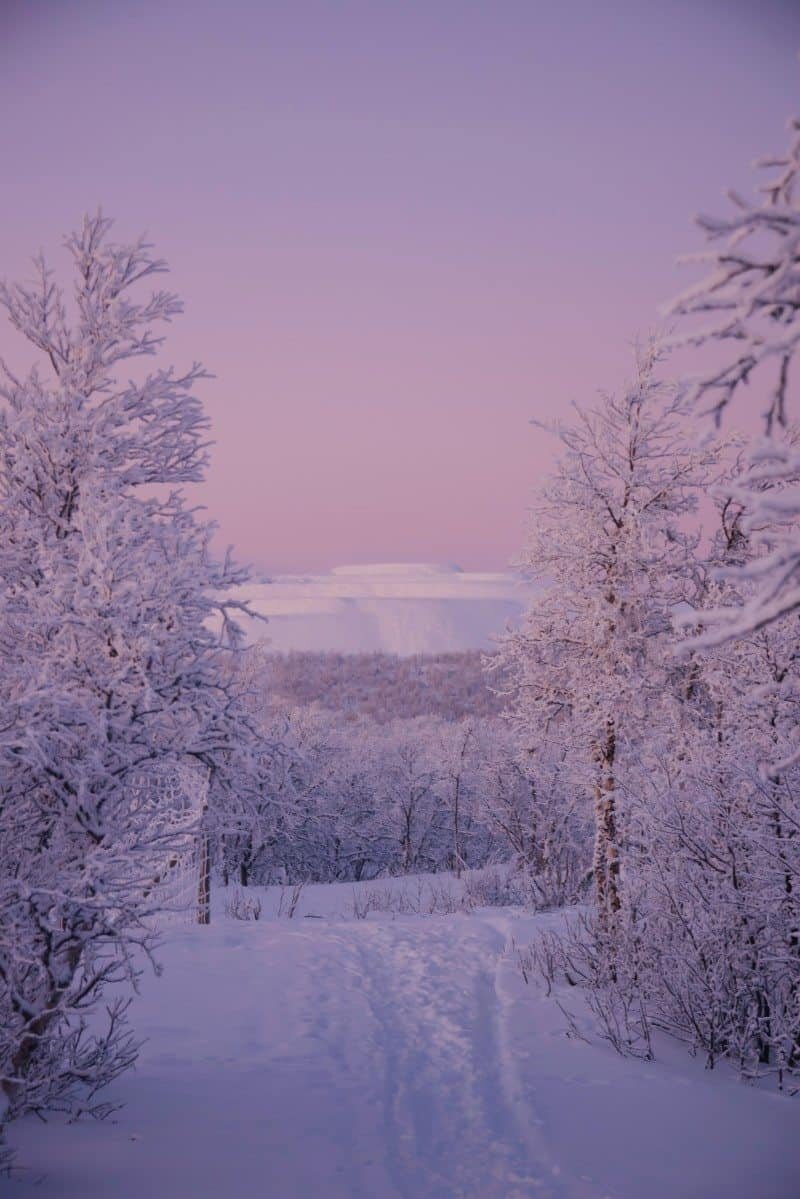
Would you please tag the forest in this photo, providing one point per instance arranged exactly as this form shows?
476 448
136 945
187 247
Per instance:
628 754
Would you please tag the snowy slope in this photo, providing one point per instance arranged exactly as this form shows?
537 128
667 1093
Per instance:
396 1058
402 608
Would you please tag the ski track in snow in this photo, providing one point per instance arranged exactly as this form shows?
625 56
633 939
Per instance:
369 1067
450 1127
392 1059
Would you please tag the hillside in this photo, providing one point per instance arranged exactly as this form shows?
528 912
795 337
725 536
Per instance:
405 608
384 686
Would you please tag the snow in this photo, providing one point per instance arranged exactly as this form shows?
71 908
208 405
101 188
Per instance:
396 1057
402 569
402 608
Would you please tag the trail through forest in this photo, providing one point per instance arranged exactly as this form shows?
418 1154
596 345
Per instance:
395 1058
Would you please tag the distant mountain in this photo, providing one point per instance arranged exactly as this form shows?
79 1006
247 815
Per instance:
399 608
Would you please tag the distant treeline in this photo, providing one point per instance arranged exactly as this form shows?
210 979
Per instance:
386 687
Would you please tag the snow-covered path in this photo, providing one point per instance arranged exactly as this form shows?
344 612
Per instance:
454 1123
395 1059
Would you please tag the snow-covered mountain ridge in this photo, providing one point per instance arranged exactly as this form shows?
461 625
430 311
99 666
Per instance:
401 608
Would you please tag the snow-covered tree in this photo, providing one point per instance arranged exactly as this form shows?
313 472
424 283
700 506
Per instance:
589 666
407 783
745 314
717 907
111 679
456 753
705 944
538 816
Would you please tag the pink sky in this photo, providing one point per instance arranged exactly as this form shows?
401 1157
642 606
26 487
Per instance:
401 230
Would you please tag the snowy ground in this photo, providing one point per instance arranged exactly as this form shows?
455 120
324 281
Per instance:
396 1056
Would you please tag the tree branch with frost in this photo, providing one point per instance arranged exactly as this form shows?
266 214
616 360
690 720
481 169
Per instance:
116 697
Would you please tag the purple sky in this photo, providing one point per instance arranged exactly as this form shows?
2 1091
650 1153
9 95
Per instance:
400 229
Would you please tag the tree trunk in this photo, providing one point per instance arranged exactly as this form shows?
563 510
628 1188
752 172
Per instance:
457 859
606 849
38 1026
204 881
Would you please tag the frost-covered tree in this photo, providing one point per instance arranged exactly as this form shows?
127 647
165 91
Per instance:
715 923
745 313
456 752
589 666
537 814
408 781
111 677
